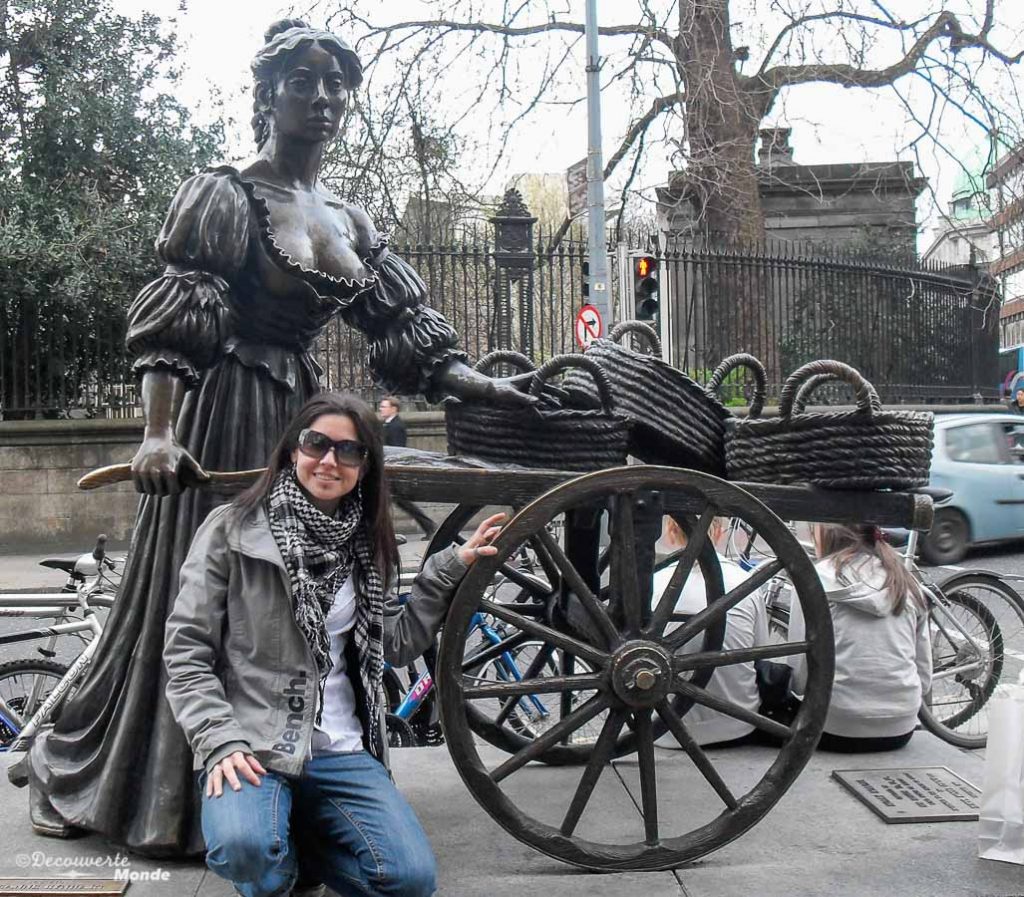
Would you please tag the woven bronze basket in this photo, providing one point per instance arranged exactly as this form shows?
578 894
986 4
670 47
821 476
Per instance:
545 435
867 448
673 420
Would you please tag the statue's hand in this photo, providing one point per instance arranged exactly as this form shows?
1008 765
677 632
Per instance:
461 381
162 467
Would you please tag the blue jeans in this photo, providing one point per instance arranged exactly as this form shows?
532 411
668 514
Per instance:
354 832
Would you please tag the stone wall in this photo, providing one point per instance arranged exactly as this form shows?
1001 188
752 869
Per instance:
41 462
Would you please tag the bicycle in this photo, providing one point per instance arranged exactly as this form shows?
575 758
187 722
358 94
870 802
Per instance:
32 690
976 621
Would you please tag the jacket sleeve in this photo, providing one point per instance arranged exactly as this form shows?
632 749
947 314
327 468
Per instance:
410 627
192 643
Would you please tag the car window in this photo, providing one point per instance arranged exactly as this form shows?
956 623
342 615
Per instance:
1013 435
976 444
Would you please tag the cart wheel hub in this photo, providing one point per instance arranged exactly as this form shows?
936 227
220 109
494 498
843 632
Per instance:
641 674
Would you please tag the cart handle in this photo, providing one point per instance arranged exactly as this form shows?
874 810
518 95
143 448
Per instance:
216 479
866 396
639 327
742 360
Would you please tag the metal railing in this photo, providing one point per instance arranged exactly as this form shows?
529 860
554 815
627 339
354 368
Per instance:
920 333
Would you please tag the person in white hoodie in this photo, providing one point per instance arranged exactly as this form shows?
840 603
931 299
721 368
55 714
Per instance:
883 648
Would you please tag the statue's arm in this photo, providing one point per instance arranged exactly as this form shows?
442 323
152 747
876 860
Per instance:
176 324
160 461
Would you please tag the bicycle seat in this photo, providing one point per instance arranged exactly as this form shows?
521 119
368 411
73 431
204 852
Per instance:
937 494
60 564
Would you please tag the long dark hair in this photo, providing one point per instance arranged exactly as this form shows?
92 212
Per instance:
281 40
845 545
376 494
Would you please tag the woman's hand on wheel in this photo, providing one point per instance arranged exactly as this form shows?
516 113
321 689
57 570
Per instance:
479 544
162 467
230 768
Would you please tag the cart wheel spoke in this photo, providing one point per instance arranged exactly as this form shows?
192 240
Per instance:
648 775
717 611
700 759
562 729
700 696
599 759
684 566
683 663
545 685
565 701
625 581
546 633
493 652
579 588
547 563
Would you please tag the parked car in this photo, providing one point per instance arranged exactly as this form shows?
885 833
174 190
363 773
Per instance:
980 457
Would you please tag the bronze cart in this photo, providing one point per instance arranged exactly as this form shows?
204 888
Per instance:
603 647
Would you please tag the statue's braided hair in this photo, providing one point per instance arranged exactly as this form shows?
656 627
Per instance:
280 40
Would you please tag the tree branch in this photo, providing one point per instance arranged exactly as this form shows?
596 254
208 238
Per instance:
637 129
656 34
946 25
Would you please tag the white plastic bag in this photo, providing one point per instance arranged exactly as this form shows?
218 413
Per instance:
1001 816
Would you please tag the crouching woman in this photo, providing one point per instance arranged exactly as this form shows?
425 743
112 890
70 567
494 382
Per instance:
275 650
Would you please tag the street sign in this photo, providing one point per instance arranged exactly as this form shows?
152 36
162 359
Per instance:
589 326
576 179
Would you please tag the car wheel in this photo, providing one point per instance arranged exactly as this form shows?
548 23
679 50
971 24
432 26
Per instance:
946 542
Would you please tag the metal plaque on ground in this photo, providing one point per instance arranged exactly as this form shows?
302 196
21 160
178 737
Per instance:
919 794
50 887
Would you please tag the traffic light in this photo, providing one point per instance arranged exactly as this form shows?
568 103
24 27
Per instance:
586 280
645 288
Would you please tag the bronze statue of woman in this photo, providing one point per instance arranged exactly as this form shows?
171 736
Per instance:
258 261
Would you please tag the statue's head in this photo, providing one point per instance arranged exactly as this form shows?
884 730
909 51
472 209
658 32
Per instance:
284 42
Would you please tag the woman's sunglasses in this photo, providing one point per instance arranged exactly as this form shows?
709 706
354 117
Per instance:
347 452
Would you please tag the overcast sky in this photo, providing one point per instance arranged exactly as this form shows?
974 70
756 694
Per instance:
830 124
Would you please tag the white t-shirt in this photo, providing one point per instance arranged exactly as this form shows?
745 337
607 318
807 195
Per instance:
340 730
746 626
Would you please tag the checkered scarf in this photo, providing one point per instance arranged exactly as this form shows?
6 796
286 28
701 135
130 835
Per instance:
319 553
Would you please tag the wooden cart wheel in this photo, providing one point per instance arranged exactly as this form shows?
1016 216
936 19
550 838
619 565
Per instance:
531 582
638 672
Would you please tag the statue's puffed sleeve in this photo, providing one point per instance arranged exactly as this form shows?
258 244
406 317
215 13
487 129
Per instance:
408 341
177 322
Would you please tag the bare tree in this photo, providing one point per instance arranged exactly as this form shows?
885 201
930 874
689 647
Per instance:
702 74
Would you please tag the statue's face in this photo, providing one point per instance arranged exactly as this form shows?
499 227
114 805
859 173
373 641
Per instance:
310 96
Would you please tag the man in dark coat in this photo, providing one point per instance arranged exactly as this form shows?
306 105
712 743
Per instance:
395 434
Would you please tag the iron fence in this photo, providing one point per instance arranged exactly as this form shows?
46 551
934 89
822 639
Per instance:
920 333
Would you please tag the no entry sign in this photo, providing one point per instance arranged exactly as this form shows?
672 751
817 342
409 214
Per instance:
589 326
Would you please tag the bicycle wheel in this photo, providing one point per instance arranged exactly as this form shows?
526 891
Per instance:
532 715
977 630
24 685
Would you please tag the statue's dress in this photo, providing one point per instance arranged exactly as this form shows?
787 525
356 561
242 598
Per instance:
234 316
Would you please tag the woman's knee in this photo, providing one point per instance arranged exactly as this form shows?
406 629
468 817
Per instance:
413 874
248 855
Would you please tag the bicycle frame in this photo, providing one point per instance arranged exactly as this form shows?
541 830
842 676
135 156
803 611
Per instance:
89 594
424 685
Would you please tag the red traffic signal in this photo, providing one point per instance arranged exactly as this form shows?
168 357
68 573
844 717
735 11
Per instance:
645 287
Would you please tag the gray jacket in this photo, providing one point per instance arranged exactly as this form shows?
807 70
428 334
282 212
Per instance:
240 674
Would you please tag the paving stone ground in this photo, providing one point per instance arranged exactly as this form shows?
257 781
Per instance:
818 840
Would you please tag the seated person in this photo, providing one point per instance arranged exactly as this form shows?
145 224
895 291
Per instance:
883 648
746 626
